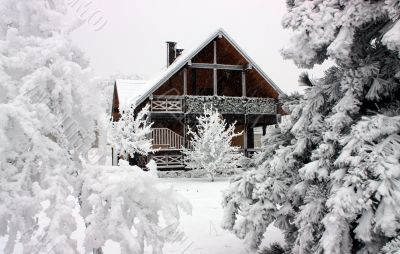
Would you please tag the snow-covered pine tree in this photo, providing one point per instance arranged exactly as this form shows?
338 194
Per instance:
48 109
46 123
212 149
342 193
250 201
131 133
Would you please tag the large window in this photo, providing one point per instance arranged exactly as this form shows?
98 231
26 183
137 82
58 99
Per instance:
229 82
200 82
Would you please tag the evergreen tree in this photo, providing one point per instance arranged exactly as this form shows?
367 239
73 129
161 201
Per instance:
339 175
47 123
212 149
48 108
250 201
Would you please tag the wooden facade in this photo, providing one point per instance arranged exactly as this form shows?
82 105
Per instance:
217 74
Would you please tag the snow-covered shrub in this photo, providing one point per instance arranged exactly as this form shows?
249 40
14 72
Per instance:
129 206
336 177
212 149
131 134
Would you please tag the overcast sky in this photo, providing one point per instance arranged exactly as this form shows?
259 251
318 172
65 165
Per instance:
133 40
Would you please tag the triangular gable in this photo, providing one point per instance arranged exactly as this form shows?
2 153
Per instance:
188 55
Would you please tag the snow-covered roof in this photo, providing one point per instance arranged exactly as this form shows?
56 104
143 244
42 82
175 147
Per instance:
130 90
152 85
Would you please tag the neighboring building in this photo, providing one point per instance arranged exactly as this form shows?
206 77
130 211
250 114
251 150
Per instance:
218 73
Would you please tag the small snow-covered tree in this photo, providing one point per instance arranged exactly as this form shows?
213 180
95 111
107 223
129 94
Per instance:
212 149
336 182
131 134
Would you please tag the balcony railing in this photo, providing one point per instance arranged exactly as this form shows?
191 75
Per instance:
177 159
169 161
167 104
164 138
224 104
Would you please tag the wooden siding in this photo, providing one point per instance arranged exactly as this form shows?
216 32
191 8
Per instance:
200 81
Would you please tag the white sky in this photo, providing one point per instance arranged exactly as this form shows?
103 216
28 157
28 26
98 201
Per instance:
133 40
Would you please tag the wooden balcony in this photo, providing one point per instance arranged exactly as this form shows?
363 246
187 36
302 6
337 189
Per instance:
224 104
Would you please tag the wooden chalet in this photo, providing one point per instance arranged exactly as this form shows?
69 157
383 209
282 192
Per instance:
217 73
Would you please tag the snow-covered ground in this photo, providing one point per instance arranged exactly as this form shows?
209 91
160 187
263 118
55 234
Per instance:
202 231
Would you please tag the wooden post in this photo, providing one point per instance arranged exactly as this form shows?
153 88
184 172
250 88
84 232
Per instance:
184 131
250 137
194 82
185 81
215 70
243 83
215 82
114 156
245 138
215 52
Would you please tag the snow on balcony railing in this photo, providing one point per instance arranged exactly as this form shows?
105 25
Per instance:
234 105
224 104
